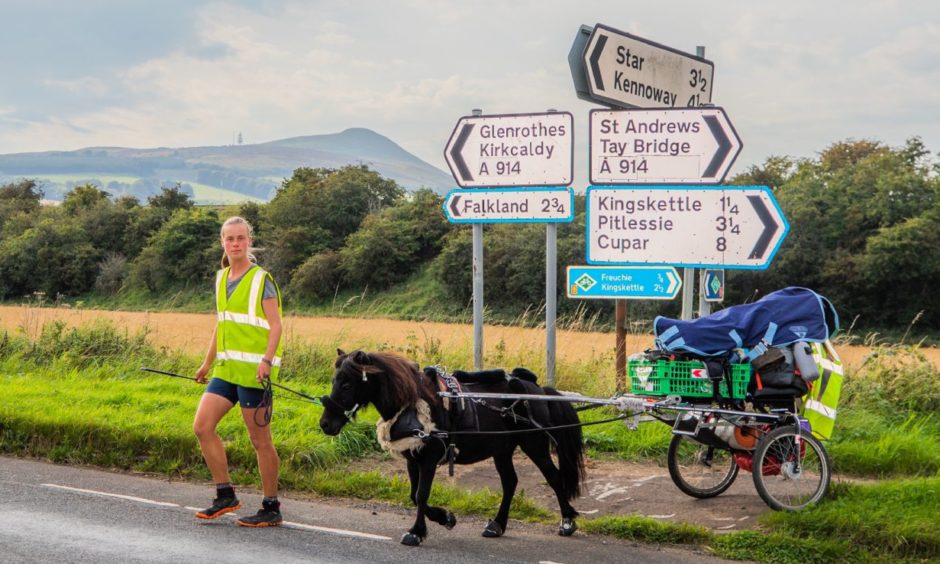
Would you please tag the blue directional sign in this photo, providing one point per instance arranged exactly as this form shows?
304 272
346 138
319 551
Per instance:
713 281
633 282
510 205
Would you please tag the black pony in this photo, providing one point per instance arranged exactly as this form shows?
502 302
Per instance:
396 385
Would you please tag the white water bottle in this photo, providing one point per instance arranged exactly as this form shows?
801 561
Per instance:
804 362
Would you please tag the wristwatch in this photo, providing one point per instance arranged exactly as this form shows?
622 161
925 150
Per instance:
266 361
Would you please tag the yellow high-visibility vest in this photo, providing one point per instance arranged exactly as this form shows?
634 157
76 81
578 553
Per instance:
241 337
822 400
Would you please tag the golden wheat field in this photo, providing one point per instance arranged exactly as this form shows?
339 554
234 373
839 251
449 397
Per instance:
190 332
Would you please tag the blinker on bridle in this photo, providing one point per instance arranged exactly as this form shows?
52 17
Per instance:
347 413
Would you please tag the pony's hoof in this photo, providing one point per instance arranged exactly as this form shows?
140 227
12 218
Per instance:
493 530
567 527
450 521
410 539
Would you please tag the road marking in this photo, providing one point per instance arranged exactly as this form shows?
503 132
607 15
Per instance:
726 527
670 516
343 532
289 524
591 512
612 491
119 496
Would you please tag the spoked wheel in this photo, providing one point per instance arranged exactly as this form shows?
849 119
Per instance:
791 469
700 470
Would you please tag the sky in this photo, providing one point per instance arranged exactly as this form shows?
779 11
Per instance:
792 76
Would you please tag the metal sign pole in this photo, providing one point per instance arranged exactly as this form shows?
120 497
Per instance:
477 288
688 292
551 296
704 308
551 299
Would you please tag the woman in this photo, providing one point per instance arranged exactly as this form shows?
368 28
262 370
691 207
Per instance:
245 350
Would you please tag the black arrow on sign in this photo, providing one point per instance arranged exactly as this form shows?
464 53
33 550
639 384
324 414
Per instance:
770 227
453 205
724 146
595 57
458 158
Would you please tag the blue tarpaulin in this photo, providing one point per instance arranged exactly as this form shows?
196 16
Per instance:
778 319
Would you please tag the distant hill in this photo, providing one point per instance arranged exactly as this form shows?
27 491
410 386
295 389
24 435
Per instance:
221 174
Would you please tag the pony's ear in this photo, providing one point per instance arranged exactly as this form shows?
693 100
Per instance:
340 352
361 357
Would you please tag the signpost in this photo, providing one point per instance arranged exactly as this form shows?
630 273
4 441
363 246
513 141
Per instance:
661 146
507 205
512 150
637 282
722 226
624 70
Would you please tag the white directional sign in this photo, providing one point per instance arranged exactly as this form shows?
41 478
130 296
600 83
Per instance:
665 146
512 150
722 226
508 205
628 71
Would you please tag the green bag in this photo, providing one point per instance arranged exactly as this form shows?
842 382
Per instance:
822 399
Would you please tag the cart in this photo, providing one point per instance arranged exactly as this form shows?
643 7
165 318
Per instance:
715 436
712 441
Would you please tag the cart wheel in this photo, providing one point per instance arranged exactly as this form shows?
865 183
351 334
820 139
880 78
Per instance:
791 469
699 470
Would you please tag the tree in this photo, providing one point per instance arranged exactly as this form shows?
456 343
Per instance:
184 252
54 257
380 254
317 209
19 198
84 197
171 198
848 212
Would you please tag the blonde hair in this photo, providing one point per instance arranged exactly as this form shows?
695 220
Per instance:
237 220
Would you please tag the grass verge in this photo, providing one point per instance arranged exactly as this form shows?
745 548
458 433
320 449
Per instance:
894 520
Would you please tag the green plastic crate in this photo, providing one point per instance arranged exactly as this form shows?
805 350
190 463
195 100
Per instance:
683 378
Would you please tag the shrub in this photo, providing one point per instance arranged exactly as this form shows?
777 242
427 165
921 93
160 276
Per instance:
317 277
111 273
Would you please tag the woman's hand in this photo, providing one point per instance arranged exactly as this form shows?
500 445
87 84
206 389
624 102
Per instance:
264 370
201 373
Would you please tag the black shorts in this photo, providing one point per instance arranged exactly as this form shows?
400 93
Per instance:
245 397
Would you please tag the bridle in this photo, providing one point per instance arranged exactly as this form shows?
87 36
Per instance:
333 405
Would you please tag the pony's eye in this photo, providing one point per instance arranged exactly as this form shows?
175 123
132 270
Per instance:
346 386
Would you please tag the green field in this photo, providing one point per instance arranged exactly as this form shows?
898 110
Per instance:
203 193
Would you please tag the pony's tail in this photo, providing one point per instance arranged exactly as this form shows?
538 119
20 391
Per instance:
569 445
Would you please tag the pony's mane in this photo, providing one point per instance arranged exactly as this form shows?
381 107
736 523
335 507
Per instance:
406 383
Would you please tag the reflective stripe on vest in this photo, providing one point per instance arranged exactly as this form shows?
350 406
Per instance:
243 330
246 357
820 408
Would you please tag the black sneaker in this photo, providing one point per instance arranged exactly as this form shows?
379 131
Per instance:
220 506
268 516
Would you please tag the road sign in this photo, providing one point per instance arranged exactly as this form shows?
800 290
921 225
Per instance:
637 282
664 146
713 283
510 205
512 150
628 71
716 226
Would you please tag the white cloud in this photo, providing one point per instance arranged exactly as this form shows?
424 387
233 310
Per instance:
793 80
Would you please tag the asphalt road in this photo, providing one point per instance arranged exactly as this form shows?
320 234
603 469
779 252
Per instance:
55 513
